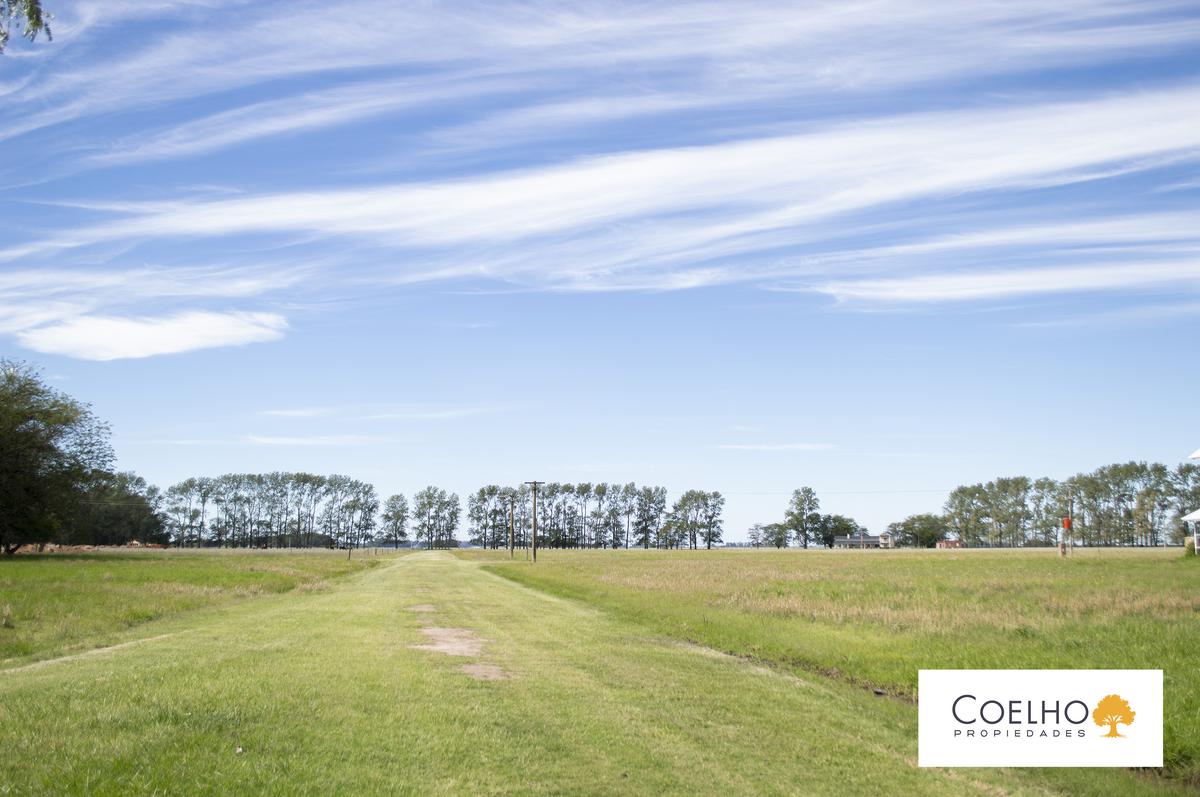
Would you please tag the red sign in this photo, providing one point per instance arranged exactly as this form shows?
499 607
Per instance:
1066 523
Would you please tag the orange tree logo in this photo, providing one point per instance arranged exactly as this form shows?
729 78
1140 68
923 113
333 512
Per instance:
1111 711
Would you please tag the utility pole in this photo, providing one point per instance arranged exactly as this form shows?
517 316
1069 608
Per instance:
534 485
511 512
1067 541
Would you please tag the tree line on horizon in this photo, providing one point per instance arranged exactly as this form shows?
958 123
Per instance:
1131 504
1124 504
57 485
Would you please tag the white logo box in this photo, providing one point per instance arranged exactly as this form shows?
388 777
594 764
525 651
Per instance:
1014 720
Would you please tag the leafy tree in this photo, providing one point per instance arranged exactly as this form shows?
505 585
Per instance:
776 534
712 526
628 507
435 515
650 508
802 515
920 531
117 508
755 535
28 14
53 446
395 519
966 512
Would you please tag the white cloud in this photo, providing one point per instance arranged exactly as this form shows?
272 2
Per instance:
112 338
1019 282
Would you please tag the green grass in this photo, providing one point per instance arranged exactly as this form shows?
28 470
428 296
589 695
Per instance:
324 692
875 618
62 603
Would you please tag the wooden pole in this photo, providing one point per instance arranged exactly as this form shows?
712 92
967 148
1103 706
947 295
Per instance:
534 485
511 511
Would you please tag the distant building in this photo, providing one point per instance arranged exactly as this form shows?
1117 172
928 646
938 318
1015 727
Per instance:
1194 517
864 540
949 543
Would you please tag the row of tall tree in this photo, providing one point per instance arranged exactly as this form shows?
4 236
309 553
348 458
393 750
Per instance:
271 510
1127 504
597 515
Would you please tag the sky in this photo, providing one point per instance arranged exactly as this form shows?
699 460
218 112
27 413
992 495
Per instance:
877 248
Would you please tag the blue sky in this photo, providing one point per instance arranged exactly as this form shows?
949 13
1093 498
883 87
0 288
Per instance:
877 248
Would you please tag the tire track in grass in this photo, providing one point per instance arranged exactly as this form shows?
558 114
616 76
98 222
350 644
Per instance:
37 665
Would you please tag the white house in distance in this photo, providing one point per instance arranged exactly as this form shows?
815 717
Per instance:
864 540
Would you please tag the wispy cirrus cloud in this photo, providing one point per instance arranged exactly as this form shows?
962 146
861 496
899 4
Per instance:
973 286
297 113
665 219
779 155
714 51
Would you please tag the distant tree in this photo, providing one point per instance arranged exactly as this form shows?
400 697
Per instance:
52 447
28 15
755 535
920 531
1113 710
1047 507
966 513
650 509
802 515
776 534
628 507
117 508
1185 494
712 525
395 519
435 517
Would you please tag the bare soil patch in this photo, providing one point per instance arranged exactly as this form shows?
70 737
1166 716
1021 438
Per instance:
451 641
484 672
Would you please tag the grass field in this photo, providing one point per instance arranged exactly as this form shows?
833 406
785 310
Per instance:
360 688
875 618
63 602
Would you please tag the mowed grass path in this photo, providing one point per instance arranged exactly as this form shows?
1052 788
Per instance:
874 618
64 603
325 694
